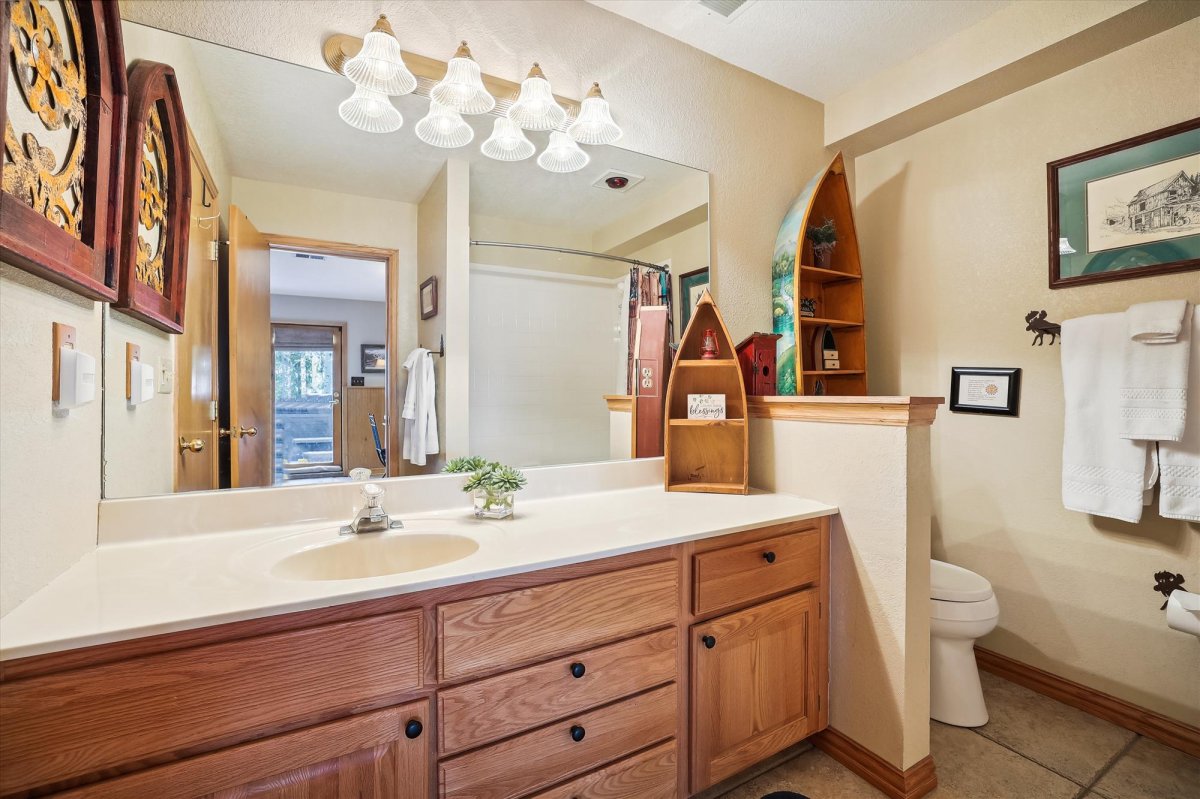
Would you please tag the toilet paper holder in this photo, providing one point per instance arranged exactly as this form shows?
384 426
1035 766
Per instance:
1165 582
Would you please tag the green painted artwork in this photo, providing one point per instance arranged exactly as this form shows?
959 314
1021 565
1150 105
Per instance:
784 283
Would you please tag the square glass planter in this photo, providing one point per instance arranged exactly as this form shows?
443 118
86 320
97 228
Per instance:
493 504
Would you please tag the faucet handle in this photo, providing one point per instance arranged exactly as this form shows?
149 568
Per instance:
372 492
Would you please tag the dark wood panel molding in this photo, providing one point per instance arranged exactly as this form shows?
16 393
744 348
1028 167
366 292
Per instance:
1165 730
911 783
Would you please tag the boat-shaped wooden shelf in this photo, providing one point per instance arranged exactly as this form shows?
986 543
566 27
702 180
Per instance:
706 455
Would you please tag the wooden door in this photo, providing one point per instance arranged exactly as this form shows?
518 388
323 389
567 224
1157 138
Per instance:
755 685
357 403
196 349
369 756
250 358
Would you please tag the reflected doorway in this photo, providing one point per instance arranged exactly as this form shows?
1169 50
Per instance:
309 361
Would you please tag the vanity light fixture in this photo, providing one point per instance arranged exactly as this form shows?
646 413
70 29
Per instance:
535 108
379 65
371 111
562 154
462 88
507 142
444 127
595 123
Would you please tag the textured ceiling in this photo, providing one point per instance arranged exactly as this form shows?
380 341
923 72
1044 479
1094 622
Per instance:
279 123
819 48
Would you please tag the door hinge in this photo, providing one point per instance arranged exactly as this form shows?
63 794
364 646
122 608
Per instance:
214 250
212 411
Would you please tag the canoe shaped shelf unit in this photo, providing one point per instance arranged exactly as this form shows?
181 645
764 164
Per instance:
706 455
814 293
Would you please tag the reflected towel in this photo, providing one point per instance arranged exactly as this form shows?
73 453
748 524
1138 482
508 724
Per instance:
420 408
1179 461
1154 386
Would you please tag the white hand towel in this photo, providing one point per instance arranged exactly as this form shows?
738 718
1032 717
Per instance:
420 408
1103 473
1154 388
1179 461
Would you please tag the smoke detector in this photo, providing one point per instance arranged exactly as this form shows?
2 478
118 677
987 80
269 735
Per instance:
615 180
729 9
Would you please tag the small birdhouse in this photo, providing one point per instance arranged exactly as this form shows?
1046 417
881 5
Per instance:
756 354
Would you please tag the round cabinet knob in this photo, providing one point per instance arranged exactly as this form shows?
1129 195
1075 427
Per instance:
769 557
708 641
578 670
195 445
577 733
413 729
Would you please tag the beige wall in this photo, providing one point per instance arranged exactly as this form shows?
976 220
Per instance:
952 223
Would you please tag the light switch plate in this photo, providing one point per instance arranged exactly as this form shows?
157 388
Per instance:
166 375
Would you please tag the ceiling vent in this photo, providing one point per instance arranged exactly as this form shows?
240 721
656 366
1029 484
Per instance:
616 180
309 256
726 8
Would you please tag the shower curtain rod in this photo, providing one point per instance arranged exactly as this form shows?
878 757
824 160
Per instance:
568 251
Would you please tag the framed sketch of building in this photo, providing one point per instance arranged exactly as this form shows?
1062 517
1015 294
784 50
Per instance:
1125 210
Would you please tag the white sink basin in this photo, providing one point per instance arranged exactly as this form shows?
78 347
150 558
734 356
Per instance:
355 557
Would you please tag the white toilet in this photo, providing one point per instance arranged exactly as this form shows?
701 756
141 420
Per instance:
962 608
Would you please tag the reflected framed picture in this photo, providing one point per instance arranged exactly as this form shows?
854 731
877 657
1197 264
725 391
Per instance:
429 298
691 286
1129 209
374 358
976 389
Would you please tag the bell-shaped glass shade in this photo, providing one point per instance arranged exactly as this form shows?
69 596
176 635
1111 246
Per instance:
562 154
444 127
535 108
462 89
507 142
595 123
379 65
370 111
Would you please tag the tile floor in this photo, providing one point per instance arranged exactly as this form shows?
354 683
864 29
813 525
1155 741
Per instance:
1032 748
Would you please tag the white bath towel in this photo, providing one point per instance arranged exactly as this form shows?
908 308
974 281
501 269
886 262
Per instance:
1179 461
420 408
1154 388
1103 473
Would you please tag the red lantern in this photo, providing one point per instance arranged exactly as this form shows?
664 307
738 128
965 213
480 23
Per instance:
708 345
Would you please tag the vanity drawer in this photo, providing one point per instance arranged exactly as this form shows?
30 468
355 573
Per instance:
492 633
737 575
496 707
77 723
650 775
535 760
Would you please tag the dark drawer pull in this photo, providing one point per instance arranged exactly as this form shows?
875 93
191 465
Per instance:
769 557
708 641
413 729
577 733
578 670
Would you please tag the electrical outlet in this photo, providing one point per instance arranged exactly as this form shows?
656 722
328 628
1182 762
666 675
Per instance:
166 375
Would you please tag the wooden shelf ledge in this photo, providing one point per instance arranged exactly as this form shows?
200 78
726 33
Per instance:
706 422
813 321
888 411
619 402
815 274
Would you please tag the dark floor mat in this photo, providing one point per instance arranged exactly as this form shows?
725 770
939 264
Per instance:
785 795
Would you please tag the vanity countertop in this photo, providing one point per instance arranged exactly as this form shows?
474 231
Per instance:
131 590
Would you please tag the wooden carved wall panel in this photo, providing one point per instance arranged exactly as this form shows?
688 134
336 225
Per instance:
62 111
155 217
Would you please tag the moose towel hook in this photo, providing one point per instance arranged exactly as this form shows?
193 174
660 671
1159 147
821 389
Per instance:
1036 323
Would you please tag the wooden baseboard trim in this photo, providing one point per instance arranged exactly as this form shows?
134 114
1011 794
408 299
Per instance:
911 783
1156 726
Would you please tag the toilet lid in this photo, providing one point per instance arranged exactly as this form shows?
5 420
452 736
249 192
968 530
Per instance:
951 583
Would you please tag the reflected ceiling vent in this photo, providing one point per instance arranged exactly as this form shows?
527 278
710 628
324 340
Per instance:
309 256
726 8
615 180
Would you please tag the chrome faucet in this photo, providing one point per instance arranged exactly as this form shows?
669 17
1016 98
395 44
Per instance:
371 518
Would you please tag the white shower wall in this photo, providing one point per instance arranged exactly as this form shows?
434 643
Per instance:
545 349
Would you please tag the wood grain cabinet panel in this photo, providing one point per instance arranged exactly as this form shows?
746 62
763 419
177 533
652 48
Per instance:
648 775
146 710
536 760
370 756
755 685
733 576
486 710
491 633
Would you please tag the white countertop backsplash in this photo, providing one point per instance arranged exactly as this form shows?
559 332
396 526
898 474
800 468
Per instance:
174 563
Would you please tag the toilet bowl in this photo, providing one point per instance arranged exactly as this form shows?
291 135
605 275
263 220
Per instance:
962 608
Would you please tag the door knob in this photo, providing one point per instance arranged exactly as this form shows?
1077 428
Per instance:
247 431
225 432
195 445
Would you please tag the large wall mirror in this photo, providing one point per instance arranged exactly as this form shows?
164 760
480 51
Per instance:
321 257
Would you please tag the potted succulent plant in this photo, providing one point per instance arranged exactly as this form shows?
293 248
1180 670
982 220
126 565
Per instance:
823 239
493 485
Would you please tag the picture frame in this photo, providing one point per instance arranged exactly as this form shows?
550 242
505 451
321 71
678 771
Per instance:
985 390
374 358
428 294
1126 210
691 287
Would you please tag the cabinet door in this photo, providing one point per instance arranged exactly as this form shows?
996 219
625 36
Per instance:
379 755
754 685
